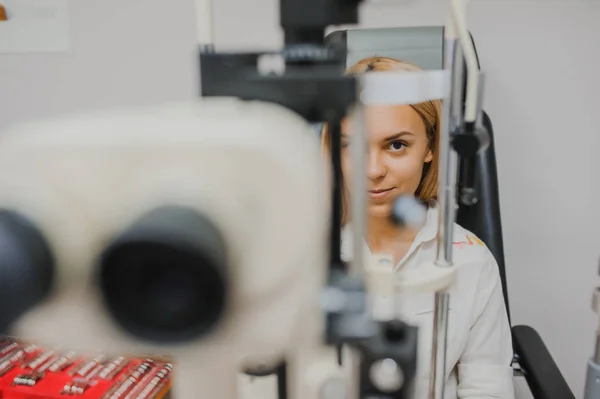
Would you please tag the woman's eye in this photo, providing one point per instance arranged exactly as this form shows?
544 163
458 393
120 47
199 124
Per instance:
396 145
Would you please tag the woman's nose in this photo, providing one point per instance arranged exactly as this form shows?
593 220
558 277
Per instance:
375 166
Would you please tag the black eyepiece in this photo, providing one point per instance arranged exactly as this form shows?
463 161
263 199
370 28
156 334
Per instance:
164 279
26 267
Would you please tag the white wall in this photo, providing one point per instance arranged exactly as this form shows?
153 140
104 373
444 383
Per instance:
125 52
541 59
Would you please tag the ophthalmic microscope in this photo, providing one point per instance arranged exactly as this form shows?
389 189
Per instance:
157 229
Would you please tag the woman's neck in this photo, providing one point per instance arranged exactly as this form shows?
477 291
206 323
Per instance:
382 232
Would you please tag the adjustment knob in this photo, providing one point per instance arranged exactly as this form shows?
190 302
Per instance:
386 375
467 143
164 279
26 267
409 212
471 140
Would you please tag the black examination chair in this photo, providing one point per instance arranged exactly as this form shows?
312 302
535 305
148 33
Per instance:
424 46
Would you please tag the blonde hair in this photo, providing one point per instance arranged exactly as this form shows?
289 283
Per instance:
430 113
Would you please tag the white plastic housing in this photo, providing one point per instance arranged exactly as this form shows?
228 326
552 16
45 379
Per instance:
384 282
254 168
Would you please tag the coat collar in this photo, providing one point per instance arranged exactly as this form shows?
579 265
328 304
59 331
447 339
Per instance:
427 233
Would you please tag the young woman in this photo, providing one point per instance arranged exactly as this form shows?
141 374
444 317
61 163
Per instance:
403 151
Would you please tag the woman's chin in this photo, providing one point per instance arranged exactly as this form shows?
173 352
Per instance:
380 210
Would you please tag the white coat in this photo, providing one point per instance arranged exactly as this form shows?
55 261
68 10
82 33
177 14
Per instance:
479 345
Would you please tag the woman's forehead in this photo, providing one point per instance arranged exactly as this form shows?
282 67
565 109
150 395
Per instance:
385 120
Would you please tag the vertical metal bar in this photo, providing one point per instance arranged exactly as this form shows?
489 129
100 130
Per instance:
451 119
205 24
355 360
457 99
358 196
335 145
440 333
282 381
592 387
595 306
597 349
358 200
592 377
481 89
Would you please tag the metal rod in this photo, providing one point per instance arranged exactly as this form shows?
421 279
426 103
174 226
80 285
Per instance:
335 145
358 199
467 165
457 99
355 359
440 334
451 119
481 89
597 351
358 151
205 24
282 391
458 13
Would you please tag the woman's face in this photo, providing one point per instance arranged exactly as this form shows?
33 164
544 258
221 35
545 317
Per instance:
397 148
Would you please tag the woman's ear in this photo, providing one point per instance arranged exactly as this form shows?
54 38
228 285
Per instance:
428 156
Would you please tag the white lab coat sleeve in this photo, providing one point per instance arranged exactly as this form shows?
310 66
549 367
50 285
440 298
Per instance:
484 368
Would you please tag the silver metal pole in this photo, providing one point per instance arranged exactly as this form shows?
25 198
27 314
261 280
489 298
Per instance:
205 32
440 329
597 349
480 102
595 308
592 381
451 119
358 195
358 201
592 378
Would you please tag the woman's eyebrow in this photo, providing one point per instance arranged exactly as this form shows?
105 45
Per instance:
398 135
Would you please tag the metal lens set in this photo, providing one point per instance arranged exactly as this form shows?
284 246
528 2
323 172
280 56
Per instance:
30 372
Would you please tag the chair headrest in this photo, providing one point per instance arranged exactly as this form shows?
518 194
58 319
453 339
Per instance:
423 45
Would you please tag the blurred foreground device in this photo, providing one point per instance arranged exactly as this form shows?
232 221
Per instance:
167 230
201 230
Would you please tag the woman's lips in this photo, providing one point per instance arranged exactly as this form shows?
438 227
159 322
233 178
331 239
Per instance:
380 194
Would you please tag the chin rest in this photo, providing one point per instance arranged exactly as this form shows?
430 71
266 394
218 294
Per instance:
424 46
